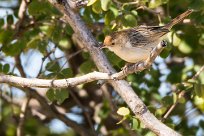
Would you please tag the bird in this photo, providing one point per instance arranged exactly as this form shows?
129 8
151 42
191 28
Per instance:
135 44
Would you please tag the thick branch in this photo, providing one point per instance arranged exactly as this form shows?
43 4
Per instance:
122 87
49 111
63 83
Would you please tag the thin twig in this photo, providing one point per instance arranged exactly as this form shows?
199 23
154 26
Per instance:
43 60
114 111
50 112
84 110
21 16
54 113
198 73
148 10
19 66
62 83
180 95
24 108
1 108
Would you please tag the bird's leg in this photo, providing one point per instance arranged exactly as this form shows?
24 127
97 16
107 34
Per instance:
125 68
136 65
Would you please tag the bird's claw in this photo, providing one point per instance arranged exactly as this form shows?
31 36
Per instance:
124 69
136 65
163 43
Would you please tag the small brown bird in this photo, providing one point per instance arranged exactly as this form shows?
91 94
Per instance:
135 44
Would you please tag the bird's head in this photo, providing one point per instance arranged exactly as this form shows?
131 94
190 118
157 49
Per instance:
109 41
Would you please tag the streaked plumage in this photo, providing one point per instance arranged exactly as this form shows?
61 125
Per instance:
135 44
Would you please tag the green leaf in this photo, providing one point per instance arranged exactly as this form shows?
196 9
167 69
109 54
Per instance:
123 111
52 66
109 16
33 43
185 47
114 10
201 123
150 133
10 130
69 31
199 90
86 67
182 100
5 36
129 20
37 8
54 32
104 110
42 46
201 39
135 123
91 2
134 12
154 3
6 68
86 55
160 111
61 95
50 94
167 100
165 53
105 4
57 94
15 48
1 67
65 43
96 7
1 22
67 73
199 102
87 17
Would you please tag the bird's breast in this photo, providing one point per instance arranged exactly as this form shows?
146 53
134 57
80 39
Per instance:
132 54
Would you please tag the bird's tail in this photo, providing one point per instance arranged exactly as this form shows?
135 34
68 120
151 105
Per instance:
178 19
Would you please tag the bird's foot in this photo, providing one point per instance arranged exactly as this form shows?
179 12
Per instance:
163 43
125 68
136 66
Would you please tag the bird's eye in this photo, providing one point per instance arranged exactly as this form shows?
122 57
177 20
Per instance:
113 43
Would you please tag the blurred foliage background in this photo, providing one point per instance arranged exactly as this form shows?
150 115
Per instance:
44 46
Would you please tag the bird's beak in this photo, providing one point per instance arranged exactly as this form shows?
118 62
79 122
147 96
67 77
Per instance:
102 46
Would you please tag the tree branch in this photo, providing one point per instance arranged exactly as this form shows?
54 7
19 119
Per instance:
121 86
53 113
180 95
198 73
70 82
24 109
61 83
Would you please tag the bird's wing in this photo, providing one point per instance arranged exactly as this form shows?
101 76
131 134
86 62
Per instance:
143 35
